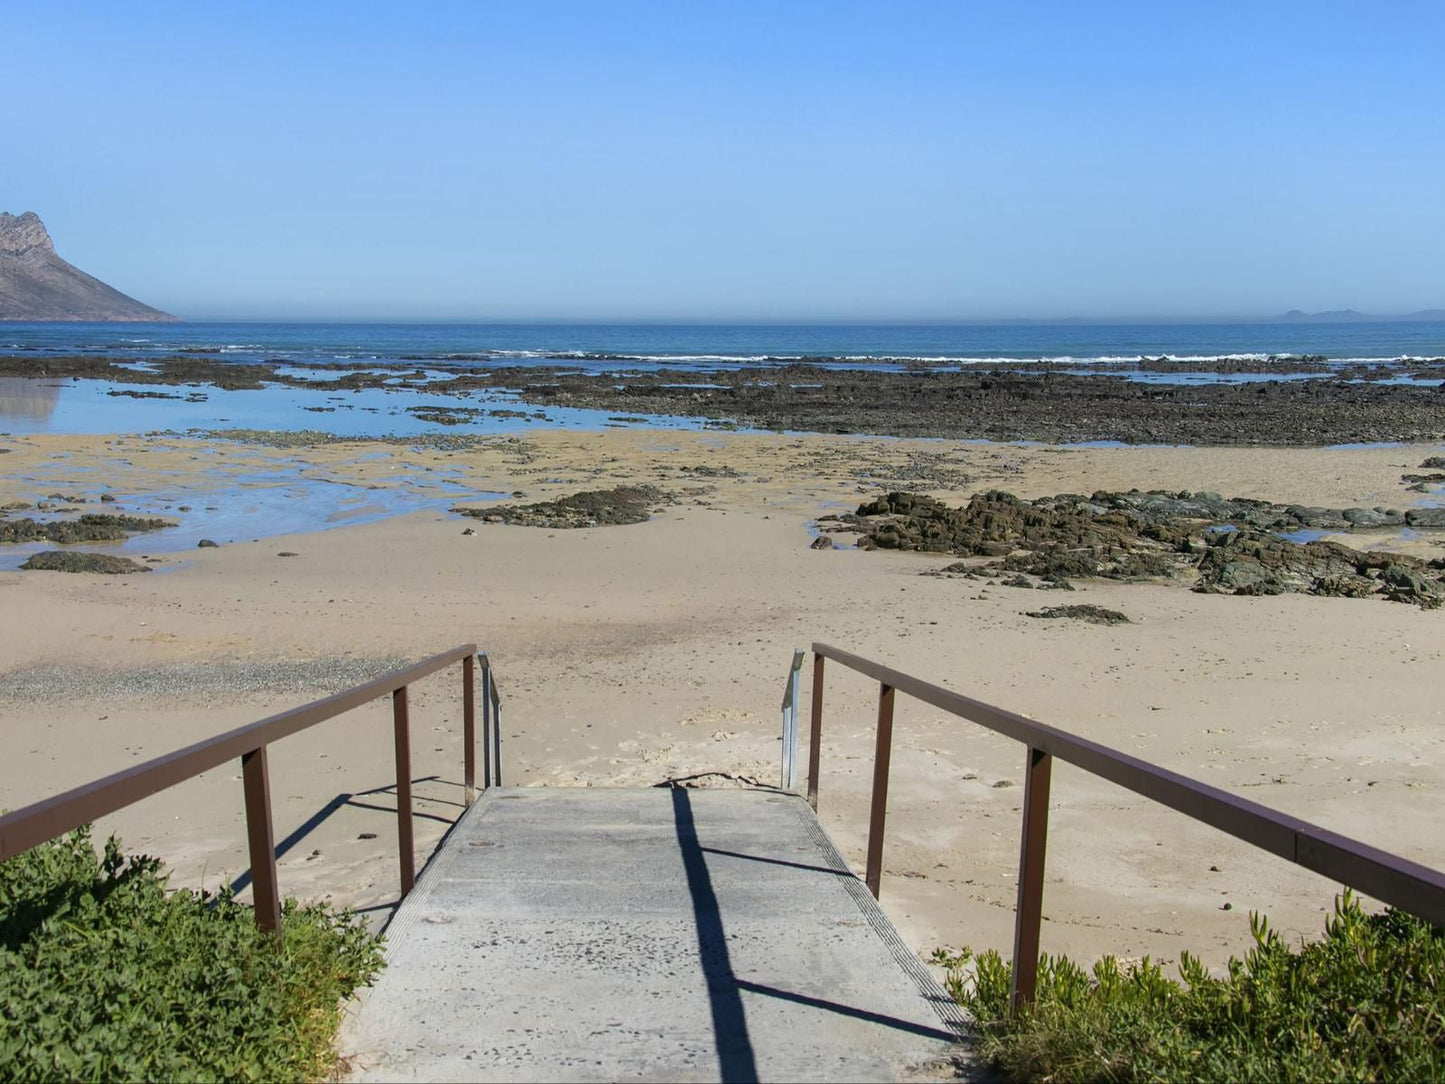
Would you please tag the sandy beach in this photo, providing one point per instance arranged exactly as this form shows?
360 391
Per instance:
629 655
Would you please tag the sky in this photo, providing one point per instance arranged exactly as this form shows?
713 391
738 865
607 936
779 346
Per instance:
737 161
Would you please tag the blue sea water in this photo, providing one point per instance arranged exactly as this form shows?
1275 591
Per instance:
705 345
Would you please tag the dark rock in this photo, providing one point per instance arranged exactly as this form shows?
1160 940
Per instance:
73 561
822 542
444 415
287 553
1343 586
1425 517
1108 535
131 393
1258 563
207 544
108 498
1435 462
1403 584
1019 581
1228 546
92 527
592 508
1094 615
1371 518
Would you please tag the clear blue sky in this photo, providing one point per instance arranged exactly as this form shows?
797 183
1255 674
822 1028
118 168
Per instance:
734 160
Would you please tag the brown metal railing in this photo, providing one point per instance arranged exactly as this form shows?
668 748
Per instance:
1394 880
44 820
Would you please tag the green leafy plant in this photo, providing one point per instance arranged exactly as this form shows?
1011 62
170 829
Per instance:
1366 1002
106 974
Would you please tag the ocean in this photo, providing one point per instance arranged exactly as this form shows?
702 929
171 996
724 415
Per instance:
1085 345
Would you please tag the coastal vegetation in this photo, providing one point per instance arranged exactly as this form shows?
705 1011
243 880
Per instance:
1365 1002
106 974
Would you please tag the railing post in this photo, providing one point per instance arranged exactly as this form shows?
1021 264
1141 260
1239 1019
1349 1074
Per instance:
497 738
789 776
486 723
261 838
794 694
881 755
815 732
1028 912
402 727
787 752
469 731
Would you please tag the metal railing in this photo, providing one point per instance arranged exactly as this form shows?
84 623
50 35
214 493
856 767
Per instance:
1396 881
491 731
35 824
789 775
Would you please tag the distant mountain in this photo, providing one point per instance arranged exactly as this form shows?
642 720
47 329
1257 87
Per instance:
1350 316
36 284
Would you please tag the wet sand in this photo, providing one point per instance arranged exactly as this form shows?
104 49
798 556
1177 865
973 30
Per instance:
628 655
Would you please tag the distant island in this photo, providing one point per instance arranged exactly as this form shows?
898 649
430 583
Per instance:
1350 316
36 284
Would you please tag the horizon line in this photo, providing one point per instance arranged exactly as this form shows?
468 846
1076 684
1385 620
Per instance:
1290 317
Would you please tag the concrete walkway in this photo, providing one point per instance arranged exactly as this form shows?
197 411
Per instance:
580 934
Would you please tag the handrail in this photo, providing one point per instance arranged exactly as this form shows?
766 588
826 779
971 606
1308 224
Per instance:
491 725
789 773
44 820
1397 881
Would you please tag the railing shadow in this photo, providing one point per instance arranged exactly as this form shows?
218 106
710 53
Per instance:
349 798
730 1026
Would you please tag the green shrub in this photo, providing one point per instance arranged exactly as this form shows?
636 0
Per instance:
1365 1003
104 974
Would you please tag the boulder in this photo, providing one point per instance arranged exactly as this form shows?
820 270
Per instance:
1425 517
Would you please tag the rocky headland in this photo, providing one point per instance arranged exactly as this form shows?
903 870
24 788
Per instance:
36 284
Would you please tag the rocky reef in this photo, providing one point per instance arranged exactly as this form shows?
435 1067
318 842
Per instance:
1223 545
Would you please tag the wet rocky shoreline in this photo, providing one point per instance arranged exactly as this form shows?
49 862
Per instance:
1041 403
1051 407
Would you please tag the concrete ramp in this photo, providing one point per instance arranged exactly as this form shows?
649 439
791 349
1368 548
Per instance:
581 934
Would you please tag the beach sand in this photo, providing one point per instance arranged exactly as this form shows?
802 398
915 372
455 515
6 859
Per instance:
629 655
